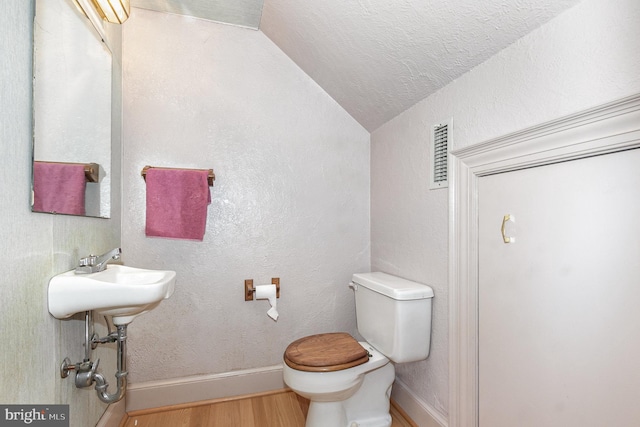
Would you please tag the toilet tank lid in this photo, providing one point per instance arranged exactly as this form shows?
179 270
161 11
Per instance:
394 287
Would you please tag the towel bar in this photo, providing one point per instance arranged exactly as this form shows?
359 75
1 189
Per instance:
211 177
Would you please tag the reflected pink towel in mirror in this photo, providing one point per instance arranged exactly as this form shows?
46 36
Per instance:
177 201
59 188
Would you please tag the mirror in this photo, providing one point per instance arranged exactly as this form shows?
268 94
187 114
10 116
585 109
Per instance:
71 113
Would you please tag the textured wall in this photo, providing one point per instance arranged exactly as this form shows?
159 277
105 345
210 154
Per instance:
409 238
586 56
291 196
37 246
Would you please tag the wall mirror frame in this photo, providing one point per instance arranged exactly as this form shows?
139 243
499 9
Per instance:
72 78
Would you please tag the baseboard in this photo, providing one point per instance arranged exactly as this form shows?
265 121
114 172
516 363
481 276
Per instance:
420 412
113 415
156 394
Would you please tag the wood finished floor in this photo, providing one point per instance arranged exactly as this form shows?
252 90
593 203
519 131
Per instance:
280 409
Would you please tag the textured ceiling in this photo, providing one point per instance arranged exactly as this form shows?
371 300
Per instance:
377 58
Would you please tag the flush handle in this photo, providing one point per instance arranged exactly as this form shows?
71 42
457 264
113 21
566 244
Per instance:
505 238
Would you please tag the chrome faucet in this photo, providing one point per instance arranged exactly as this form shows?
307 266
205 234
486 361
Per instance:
94 263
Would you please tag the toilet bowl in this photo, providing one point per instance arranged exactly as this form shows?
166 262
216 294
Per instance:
348 383
359 394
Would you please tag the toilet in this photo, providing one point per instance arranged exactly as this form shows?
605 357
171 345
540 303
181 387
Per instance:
348 383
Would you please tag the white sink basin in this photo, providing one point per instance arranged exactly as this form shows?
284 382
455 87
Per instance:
119 291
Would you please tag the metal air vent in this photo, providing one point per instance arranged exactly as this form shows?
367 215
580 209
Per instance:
440 142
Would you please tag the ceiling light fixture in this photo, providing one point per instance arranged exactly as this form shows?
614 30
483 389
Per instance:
114 11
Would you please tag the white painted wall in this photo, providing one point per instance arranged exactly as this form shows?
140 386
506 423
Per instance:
37 246
291 196
586 56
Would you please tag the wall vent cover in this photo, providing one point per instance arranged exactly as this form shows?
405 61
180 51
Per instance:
440 143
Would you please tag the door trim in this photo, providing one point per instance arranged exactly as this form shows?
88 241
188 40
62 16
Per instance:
605 129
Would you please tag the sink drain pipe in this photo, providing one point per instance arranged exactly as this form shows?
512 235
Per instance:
121 374
86 373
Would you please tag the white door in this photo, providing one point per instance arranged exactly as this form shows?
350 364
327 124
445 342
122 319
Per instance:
559 308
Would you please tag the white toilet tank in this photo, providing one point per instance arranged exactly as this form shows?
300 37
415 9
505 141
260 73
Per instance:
394 315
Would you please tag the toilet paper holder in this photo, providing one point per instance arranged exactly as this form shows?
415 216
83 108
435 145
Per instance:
249 290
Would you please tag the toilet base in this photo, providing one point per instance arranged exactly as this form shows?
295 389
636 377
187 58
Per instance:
325 414
368 407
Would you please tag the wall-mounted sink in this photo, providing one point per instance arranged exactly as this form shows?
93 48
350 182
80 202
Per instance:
119 291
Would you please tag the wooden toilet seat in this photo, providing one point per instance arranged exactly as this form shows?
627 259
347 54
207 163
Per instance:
325 353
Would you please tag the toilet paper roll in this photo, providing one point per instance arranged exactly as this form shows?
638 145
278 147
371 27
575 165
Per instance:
268 292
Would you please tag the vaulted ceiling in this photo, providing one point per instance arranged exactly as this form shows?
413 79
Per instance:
377 58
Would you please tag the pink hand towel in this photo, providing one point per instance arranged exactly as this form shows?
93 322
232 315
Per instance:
177 202
59 188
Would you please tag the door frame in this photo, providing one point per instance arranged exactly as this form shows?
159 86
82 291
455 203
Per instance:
604 129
